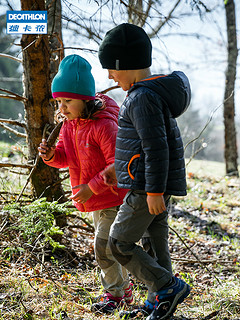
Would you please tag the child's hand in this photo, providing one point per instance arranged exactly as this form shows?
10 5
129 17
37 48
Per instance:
156 204
83 194
44 151
109 175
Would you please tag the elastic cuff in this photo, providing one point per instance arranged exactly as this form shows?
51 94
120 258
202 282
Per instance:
154 194
49 158
91 189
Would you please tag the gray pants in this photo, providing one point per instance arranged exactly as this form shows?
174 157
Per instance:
114 277
132 222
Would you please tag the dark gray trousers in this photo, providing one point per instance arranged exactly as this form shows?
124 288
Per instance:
134 221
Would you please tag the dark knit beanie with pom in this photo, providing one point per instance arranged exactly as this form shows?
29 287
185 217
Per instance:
125 47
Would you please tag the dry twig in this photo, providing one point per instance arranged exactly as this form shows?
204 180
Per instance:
189 249
50 142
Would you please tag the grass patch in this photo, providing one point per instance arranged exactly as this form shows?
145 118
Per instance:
204 244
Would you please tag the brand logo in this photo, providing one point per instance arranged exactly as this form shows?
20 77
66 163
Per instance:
24 22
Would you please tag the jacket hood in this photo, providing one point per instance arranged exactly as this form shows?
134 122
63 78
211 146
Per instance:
174 90
110 108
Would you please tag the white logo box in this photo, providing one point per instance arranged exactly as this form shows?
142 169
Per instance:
27 22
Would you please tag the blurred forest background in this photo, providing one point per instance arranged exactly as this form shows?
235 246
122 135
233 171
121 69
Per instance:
192 37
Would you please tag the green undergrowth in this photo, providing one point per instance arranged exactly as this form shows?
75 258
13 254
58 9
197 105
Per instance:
204 241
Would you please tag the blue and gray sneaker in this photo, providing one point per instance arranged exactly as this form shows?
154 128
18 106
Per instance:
139 312
168 299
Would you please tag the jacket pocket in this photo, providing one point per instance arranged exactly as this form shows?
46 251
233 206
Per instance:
136 156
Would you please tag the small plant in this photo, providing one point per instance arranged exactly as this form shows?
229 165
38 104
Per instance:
36 222
10 252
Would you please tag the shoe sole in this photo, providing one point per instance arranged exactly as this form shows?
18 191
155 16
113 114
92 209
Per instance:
128 316
102 310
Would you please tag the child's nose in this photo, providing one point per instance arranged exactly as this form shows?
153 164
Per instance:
62 105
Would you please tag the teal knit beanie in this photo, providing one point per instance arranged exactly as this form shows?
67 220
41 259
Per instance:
74 79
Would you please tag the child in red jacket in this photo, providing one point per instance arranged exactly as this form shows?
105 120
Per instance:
86 146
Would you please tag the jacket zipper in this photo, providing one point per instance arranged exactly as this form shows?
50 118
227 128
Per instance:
79 158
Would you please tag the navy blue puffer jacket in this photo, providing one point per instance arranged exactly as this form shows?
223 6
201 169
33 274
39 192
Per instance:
149 150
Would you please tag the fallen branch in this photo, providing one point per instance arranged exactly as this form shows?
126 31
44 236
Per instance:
211 315
84 234
202 261
82 219
189 249
80 227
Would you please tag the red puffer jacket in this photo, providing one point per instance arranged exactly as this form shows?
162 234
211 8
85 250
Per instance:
87 147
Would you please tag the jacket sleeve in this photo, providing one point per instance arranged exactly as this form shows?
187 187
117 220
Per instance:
146 114
106 139
59 159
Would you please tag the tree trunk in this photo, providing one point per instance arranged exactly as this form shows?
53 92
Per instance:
38 110
54 9
231 154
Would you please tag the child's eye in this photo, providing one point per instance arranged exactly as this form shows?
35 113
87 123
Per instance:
68 101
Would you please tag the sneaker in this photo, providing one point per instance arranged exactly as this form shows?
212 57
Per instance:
128 295
140 312
107 304
168 299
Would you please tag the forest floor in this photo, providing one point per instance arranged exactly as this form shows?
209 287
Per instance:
204 243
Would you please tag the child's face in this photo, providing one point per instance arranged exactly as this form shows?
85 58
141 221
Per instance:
71 108
124 78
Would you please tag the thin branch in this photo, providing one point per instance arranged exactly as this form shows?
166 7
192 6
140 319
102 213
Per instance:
10 57
207 123
18 134
15 165
76 48
211 315
161 24
109 89
189 249
12 95
76 226
219 261
76 216
30 44
50 142
13 194
10 79
14 122
195 153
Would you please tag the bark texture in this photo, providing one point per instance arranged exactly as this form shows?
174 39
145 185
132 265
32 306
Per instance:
38 109
230 152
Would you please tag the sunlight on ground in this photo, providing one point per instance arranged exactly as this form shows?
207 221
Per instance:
204 167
